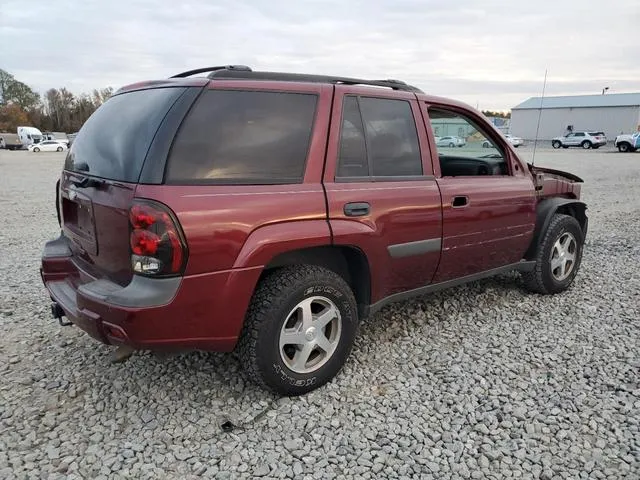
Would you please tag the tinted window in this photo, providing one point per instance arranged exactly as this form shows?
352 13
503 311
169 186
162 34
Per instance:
392 138
472 153
353 152
579 134
244 137
114 141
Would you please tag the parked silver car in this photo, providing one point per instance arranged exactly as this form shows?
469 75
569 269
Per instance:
585 139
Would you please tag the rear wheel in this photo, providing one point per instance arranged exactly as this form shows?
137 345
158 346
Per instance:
299 329
59 149
556 144
451 145
36 149
586 144
624 147
558 257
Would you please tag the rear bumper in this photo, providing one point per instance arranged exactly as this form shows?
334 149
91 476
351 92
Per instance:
203 312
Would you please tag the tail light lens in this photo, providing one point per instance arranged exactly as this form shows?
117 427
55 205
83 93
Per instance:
157 243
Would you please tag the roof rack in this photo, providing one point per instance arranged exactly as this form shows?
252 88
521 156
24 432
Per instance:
188 73
248 74
242 72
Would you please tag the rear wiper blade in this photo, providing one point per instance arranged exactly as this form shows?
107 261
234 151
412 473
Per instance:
88 182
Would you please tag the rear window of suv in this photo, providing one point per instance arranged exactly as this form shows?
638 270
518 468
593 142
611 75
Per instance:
243 137
114 141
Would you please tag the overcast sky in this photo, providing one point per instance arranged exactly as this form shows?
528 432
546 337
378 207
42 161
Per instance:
489 53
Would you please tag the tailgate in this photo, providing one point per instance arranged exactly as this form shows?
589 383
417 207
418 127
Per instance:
95 218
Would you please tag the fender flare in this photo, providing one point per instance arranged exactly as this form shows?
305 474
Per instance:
546 209
268 241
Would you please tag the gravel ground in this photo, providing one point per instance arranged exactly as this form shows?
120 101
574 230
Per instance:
482 381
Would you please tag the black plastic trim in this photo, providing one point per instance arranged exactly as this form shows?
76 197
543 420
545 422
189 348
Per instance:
420 247
399 178
156 160
142 292
544 212
522 266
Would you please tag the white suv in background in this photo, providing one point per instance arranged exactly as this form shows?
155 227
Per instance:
585 139
628 142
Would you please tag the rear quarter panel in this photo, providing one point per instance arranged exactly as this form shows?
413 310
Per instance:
219 220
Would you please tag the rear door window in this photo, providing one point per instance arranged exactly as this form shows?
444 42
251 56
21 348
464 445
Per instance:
378 139
114 141
244 137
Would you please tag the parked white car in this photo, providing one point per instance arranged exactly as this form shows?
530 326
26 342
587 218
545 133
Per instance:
515 141
628 142
585 139
48 146
451 141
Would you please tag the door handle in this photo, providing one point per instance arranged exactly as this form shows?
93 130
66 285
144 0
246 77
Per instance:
460 201
356 209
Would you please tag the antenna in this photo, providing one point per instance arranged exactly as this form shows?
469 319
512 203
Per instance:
535 142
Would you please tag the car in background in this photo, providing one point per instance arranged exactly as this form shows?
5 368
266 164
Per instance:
48 146
515 141
628 142
451 141
585 138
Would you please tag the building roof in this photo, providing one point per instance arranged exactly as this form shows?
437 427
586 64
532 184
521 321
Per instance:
577 101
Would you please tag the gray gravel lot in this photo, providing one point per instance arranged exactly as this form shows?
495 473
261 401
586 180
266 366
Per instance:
482 381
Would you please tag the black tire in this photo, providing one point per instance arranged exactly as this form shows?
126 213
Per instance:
541 279
451 145
36 149
59 149
275 297
565 146
624 147
485 144
586 145
556 144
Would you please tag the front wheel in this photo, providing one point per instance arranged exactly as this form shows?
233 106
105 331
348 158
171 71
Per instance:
556 144
623 147
558 257
299 329
586 145
451 145
59 149
36 149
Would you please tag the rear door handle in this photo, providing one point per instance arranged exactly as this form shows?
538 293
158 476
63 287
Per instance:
356 209
460 201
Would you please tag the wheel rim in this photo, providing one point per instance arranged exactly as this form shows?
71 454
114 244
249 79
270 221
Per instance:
310 334
563 256
586 145
623 147
556 144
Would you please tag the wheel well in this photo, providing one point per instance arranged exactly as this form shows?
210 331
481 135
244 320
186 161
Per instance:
347 261
577 211
546 210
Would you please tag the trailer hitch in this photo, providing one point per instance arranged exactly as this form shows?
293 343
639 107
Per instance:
57 312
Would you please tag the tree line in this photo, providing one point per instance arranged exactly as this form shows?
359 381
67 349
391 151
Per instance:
58 110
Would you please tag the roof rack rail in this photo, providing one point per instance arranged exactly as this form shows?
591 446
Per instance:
188 73
248 74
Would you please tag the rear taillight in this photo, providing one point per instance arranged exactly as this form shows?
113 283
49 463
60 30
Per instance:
157 244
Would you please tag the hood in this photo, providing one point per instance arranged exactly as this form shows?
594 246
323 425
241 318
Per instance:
550 182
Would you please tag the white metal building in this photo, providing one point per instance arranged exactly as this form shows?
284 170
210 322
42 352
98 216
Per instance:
610 113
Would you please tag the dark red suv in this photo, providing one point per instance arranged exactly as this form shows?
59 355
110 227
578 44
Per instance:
271 212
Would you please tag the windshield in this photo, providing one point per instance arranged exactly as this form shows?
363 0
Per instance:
114 141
